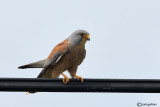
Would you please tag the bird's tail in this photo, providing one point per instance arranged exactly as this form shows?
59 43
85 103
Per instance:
38 64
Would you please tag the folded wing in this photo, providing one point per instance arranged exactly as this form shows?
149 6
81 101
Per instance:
54 57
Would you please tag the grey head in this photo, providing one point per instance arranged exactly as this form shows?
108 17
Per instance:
79 37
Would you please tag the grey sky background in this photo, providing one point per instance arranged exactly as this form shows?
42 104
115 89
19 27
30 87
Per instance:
125 41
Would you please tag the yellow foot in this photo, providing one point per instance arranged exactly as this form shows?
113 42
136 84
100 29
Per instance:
77 77
65 79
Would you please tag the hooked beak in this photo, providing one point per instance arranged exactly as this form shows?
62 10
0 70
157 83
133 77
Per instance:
87 37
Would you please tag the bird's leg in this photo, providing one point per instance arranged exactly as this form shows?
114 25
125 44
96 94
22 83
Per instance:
65 79
73 71
73 75
78 77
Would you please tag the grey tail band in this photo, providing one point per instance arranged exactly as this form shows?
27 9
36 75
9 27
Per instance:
38 64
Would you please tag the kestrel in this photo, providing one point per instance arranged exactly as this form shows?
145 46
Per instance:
67 55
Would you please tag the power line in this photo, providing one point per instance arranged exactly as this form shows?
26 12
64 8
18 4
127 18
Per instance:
89 85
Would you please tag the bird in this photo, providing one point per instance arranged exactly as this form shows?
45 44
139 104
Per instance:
66 56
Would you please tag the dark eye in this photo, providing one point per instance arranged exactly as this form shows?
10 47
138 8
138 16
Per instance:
82 34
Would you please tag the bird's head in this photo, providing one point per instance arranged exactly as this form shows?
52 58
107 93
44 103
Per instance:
79 37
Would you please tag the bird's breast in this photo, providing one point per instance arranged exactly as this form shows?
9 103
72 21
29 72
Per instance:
73 57
76 55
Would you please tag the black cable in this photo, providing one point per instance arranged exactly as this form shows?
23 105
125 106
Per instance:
89 85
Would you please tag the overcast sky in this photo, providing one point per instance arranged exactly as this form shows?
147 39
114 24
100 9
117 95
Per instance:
125 43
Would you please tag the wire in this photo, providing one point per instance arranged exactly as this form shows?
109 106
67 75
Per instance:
89 85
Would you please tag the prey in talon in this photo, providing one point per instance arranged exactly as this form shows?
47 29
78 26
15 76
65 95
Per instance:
66 56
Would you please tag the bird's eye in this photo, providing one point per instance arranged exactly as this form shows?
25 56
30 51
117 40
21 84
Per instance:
82 34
